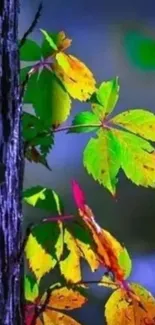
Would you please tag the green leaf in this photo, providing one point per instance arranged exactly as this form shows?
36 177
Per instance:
52 103
107 96
32 126
50 40
44 141
46 49
60 40
44 248
80 232
31 288
30 51
102 159
31 91
43 198
140 50
125 262
137 158
36 134
88 120
138 121
32 154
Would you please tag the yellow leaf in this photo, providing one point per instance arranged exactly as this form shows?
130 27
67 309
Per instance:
75 76
66 299
119 310
51 317
88 254
77 250
70 266
40 261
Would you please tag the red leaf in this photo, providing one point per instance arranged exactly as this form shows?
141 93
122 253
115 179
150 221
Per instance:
78 195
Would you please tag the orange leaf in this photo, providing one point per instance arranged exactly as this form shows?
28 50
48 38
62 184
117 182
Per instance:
108 248
51 317
62 298
119 310
63 42
65 298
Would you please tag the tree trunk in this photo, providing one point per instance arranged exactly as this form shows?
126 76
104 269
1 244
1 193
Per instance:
11 154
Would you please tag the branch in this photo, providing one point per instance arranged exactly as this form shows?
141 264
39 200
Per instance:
33 25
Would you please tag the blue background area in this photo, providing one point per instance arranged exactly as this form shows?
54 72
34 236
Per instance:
97 29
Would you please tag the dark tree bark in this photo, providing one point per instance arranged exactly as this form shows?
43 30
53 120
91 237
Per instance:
11 154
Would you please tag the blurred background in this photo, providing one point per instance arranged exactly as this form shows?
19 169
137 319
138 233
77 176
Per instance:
98 29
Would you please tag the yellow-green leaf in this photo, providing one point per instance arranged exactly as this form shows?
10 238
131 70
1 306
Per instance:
125 262
107 95
121 310
138 121
137 158
53 103
30 288
102 159
84 122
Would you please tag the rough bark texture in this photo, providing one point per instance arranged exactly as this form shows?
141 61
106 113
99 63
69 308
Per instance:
11 154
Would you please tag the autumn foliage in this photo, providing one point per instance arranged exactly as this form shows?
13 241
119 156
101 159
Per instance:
63 240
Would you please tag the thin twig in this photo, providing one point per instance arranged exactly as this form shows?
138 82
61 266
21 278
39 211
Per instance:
33 25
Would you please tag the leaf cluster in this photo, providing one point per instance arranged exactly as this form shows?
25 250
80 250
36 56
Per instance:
119 142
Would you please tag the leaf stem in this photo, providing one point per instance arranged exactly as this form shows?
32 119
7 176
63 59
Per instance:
59 218
66 128
98 281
